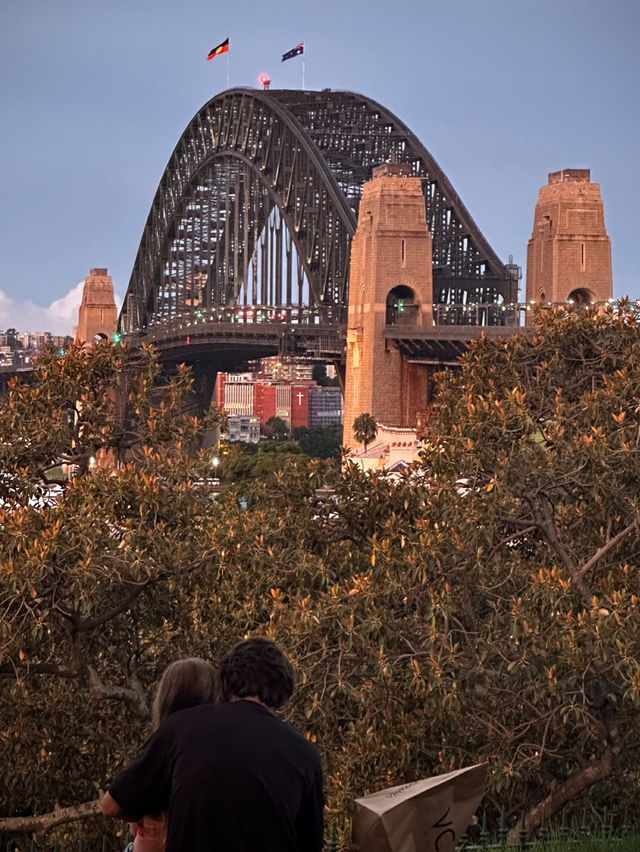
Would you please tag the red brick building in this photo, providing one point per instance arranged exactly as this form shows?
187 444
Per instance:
246 394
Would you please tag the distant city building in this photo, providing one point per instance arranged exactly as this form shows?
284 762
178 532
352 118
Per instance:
265 400
297 403
243 428
325 407
394 448
238 398
285 369
21 348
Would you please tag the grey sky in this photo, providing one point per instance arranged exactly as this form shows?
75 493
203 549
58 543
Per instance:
95 95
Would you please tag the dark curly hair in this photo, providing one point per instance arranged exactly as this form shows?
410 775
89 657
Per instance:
257 667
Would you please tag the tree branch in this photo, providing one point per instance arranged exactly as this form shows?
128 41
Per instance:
133 694
86 624
15 666
609 545
45 822
548 527
596 770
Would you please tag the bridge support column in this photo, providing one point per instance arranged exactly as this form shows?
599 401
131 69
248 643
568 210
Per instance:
391 283
569 253
98 315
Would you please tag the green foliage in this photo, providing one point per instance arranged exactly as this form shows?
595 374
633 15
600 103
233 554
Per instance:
319 372
319 442
484 606
83 565
319 375
275 427
268 457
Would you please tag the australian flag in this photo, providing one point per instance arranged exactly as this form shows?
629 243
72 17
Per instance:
296 51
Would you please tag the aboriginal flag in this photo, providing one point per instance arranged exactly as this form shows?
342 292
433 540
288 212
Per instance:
296 51
223 47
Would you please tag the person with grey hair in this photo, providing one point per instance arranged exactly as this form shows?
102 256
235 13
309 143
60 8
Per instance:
231 776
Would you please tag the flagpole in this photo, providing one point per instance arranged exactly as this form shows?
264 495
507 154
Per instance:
304 47
228 64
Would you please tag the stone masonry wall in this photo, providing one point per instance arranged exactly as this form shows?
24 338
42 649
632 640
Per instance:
391 248
569 253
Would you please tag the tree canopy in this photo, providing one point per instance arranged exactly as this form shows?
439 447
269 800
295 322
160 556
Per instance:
275 427
483 606
319 442
84 560
250 461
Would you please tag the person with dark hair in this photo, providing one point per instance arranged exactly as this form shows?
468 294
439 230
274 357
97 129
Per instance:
232 776
257 668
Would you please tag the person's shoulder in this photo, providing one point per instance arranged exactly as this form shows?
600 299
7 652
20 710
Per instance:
302 744
190 717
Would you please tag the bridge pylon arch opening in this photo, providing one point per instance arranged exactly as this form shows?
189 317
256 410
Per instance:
581 297
402 306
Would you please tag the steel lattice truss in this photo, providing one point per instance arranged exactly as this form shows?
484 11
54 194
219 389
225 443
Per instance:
259 202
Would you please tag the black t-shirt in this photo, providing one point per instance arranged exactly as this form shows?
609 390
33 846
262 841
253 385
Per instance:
232 777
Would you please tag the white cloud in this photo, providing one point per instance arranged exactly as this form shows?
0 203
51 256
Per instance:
59 317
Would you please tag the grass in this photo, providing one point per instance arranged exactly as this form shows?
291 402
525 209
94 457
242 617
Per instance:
591 844
577 844
582 844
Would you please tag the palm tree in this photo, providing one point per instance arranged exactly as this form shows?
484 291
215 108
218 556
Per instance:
365 429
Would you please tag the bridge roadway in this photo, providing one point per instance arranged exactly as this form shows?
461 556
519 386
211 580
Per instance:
233 344
229 339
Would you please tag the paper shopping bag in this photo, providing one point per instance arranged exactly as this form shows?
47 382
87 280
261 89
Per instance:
424 816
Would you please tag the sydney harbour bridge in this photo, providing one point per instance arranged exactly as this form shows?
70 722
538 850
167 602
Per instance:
246 248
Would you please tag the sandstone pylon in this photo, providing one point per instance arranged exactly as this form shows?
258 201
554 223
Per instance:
569 253
391 283
98 314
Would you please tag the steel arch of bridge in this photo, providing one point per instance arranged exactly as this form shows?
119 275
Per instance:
259 202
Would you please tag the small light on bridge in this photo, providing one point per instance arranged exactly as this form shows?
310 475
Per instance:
265 79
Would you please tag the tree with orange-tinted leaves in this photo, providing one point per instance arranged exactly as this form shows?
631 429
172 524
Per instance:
99 516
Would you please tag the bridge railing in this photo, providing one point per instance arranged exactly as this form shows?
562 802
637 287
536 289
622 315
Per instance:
496 314
510 314
243 314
